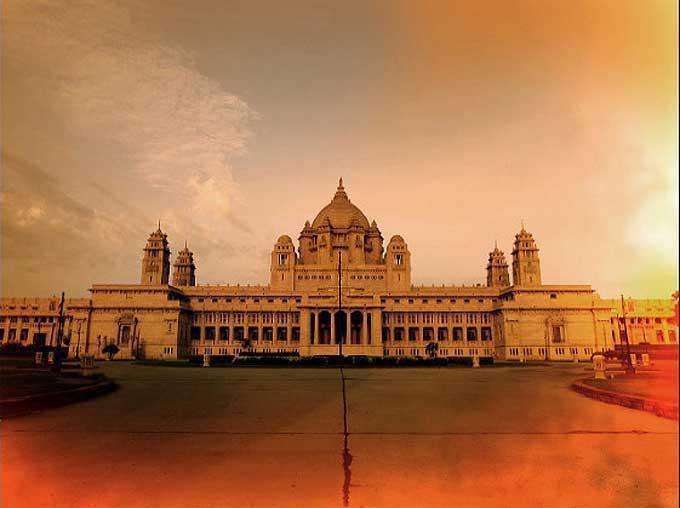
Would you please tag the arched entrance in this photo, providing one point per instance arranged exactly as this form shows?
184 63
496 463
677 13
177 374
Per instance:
324 327
341 327
356 324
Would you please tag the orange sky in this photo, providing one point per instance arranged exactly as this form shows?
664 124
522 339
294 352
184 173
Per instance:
231 121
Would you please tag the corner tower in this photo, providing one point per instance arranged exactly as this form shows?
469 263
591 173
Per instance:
184 269
156 261
526 265
398 264
283 264
497 275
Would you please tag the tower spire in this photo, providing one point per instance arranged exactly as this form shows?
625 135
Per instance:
340 193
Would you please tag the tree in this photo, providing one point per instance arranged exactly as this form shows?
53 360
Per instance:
111 350
431 349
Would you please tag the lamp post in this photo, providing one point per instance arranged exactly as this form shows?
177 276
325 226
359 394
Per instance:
629 362
342 338
80 323
60 335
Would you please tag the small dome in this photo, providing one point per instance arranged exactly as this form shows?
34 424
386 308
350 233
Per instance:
397 239
284 239
340 212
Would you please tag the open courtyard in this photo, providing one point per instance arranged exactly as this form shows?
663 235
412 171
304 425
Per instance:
500 435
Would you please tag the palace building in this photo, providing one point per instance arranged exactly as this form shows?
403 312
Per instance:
341 285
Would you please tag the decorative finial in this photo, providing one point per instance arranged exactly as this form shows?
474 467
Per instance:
495 244
159 224
340 193
185 244
522 222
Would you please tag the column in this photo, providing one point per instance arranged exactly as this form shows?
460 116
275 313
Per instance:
332 327
364 328
289 328
348 327
317 327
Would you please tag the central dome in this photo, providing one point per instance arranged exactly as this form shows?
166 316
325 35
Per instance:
340 212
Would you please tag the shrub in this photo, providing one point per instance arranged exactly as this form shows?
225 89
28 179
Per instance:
111 350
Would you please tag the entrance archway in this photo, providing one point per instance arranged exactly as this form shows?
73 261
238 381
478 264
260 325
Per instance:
341 327
356 325
324 327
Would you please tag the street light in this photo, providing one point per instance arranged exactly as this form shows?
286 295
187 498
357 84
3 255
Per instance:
342 338
630 369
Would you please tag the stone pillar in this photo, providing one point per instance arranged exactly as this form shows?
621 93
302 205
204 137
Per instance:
364 328
317 327
348 327
202 337
332 327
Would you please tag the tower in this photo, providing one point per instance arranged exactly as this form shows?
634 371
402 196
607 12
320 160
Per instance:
184 269
497 275
398 265
283 264
156 261
526 266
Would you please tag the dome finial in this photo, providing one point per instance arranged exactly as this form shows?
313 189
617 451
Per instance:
340 193
495 244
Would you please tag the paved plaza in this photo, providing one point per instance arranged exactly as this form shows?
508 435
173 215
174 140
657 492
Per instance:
494 436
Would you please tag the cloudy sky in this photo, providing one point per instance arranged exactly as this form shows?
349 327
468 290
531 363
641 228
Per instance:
231 122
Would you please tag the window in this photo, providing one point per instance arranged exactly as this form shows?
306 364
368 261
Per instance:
557 333
282 258
224 333
553 296
398 259
253 333
471 333
486 333
282 333
195 333
457 333
413 333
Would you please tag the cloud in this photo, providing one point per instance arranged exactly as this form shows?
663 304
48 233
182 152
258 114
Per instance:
127 129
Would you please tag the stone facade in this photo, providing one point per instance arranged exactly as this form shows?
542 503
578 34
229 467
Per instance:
377 312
